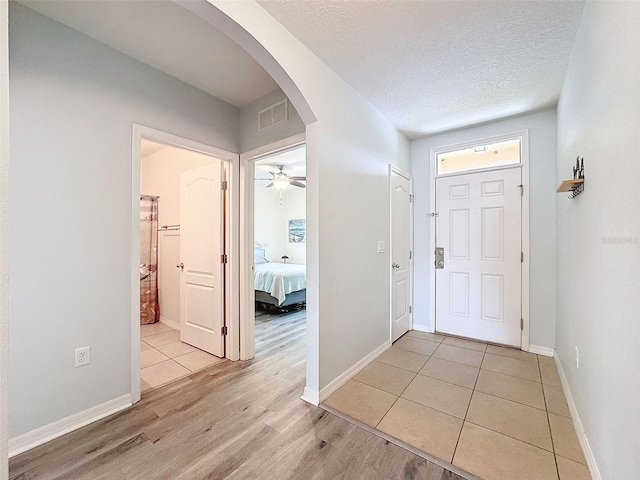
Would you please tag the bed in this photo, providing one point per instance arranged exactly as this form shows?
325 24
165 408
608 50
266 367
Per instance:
279 284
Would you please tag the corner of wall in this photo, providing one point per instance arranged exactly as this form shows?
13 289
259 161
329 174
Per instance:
4 235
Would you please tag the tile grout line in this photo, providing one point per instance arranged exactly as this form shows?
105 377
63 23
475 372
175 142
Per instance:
513 376
468 406
512 401
511 437
553 444
405 388
398 397
154 348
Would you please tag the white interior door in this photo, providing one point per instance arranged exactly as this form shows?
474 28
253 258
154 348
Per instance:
400 254
478 292
201 250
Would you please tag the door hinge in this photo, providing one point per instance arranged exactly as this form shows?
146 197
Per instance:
410 309
522 324
521 257
521 190
223 330
223 258
410 254
224 185
410 198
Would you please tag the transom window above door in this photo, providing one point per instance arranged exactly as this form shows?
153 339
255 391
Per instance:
479 157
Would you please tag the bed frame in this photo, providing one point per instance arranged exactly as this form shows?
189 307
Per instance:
291 299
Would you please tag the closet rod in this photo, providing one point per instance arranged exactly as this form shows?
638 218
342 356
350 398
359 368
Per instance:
166 228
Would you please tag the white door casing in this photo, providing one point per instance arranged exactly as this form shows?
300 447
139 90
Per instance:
201 250
247 239
401 245
479 223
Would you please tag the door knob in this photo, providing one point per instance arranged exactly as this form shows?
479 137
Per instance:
395 265
180 266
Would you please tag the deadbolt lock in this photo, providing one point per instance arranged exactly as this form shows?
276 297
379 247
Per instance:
439 258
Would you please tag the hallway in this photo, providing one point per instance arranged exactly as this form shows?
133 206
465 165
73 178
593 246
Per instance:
232 420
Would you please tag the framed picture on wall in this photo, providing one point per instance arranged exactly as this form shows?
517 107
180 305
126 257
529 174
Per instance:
297 230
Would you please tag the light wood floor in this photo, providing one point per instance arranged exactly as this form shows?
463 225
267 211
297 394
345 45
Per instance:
240 420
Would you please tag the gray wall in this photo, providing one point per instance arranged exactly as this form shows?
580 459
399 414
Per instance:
251 137
73 101
542 179
598 234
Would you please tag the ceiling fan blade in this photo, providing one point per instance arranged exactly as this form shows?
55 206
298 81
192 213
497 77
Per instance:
298 178
298 184
270 185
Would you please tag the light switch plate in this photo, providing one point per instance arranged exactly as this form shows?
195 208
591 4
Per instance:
380 246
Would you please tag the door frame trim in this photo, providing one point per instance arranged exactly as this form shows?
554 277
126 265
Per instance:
247 312
402 173
232 343
523 135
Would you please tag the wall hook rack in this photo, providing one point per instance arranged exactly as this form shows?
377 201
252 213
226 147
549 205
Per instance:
575 186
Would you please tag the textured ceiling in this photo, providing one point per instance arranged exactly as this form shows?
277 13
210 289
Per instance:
428 66
170 38
431 66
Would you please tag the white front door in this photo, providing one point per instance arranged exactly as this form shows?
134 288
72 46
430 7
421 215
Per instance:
201 249
400 254
478 292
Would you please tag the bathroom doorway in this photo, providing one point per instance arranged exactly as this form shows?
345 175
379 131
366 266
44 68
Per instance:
183 263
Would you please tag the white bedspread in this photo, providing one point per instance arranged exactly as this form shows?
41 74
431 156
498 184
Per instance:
280 279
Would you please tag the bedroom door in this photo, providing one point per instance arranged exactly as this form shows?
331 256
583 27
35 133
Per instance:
478 286
201 254
401 262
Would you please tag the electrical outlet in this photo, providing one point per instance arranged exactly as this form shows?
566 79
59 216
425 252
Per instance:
380 246
83 356
577 358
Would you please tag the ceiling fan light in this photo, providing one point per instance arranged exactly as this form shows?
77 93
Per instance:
280 183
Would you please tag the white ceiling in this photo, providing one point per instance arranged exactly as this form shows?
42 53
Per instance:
169 38
431 66
427 65
293 160
147 147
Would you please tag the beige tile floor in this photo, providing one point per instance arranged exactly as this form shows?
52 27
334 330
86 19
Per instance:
496 412
164 358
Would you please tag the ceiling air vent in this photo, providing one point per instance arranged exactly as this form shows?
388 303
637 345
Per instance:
276 113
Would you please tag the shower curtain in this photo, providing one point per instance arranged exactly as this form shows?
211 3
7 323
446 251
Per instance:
149 304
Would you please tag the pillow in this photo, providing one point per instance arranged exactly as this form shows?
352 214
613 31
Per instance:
257 259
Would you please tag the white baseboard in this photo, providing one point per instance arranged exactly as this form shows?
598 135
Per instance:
422 328
311 396
170 323
346 376
29 440
582 437
546 351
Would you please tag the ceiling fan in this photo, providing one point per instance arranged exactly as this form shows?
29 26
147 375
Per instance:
281 180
